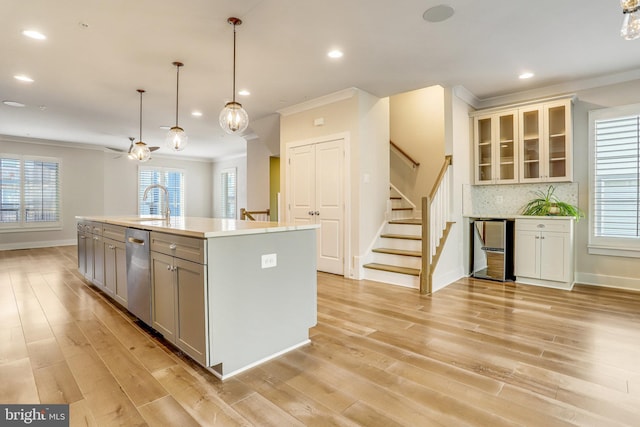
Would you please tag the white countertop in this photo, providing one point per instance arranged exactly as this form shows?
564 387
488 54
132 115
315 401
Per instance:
198 227
517 216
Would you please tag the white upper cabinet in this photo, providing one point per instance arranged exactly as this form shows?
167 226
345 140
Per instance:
530 143
496 148
546 148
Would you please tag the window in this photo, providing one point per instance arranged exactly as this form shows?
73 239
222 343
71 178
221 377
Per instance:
29 192
615 181
173 179
228 192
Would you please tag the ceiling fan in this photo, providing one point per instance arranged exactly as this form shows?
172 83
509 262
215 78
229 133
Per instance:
128 152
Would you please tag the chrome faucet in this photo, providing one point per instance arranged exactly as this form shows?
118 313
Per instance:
167 212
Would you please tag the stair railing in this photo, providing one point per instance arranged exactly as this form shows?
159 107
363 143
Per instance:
251 215
413 162
435 224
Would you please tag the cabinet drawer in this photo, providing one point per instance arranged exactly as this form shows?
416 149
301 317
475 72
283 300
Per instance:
189 248
114 232
96 228
541 224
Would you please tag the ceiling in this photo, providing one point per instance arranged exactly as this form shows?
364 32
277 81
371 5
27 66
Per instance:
97 53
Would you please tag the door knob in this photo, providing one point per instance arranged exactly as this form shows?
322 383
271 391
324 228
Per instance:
310 212
317 213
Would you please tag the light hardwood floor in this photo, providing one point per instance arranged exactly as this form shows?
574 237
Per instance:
476 353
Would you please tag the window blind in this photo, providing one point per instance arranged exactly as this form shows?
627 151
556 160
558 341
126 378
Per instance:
172 179
29 192
10 190
228 192
617 177
41 191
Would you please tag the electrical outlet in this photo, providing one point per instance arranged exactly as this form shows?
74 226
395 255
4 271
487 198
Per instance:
269 260
499 200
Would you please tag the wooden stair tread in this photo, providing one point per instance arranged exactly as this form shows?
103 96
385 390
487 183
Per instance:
402 209
397 252
393 269
412 221
395 198
401 236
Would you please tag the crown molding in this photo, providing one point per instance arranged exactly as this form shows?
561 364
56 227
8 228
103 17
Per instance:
319 102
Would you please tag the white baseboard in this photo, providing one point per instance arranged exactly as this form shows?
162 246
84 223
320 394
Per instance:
34 245
608 281
442 280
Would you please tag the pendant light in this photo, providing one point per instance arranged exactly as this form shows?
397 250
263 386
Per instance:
140 150
631 22
176 138
233 118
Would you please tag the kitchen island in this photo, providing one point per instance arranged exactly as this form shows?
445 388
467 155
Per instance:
230 294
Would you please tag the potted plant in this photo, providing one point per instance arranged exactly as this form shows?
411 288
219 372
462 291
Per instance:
546 203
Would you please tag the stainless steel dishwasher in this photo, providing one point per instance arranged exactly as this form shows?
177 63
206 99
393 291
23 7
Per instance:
138 274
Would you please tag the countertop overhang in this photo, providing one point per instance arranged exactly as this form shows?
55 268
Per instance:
197 226
483 216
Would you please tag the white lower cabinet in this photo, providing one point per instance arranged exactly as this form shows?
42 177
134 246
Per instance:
544 252
178 292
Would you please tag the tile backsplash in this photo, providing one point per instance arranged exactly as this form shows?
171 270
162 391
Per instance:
505 200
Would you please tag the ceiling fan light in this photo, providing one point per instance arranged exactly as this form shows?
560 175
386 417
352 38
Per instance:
176 139
233 118
141 152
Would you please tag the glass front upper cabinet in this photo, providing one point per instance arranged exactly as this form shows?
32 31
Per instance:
545 151
496 150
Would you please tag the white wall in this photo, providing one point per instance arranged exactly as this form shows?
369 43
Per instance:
364 118
240 163
454 259
257 175
417 126
93 183
599 269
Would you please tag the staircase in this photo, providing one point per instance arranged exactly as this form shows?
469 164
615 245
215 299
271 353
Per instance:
397 257
406 253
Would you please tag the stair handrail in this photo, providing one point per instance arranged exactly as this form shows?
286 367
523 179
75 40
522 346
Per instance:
435 224
408 157
249 215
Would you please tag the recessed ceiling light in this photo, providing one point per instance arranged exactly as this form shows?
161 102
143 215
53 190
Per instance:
438 13
335 54
244 92
526 75
34 34
13 104
23 78
196 113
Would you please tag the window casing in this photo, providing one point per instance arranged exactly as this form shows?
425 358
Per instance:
614 148
173 179
30 193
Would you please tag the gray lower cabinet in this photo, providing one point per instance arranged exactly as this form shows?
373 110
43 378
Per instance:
179 298
115 270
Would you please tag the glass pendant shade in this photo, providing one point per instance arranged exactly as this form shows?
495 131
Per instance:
176 139
234 118
631 21
141 152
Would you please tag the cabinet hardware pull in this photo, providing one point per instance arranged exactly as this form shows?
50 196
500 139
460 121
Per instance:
168 268
317 212
310 212
173 246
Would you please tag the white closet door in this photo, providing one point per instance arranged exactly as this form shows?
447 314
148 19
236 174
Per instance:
316 183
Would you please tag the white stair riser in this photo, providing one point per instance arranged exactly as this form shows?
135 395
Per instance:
397 260
401 214
411 229
398 279
404 244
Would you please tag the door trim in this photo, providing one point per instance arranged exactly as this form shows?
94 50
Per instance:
346 189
